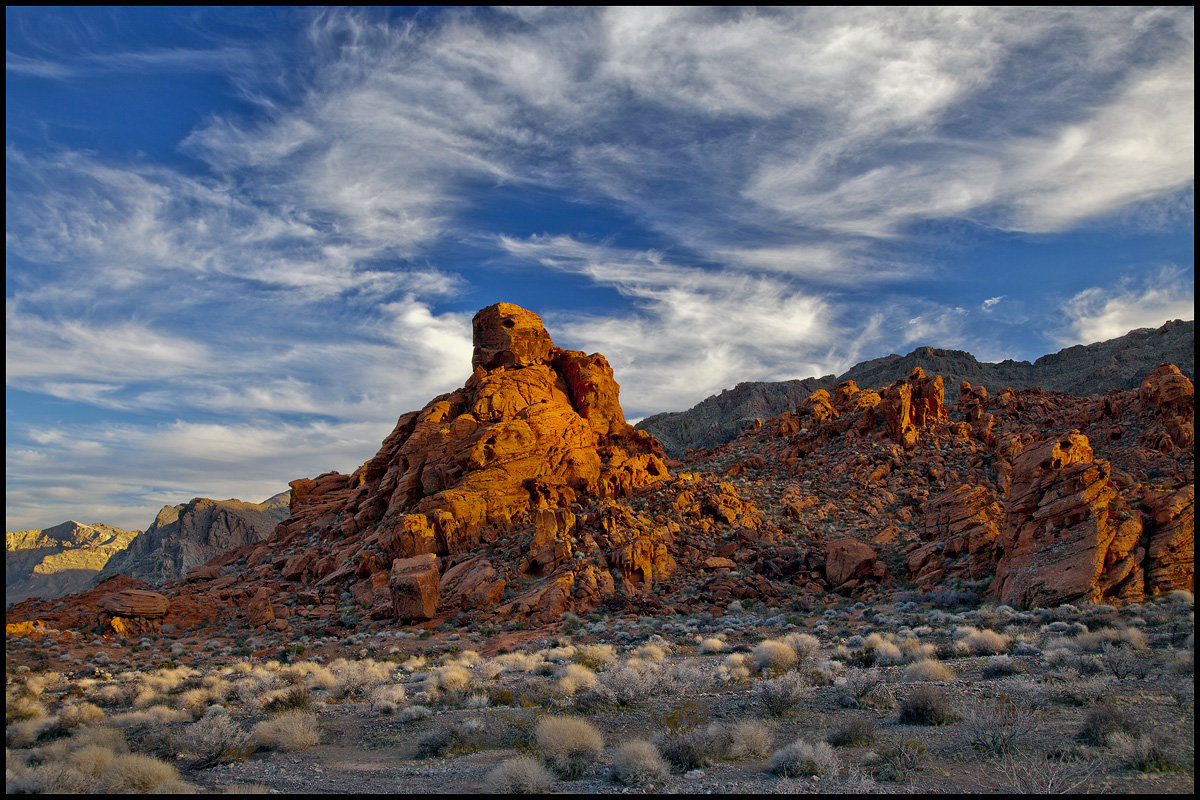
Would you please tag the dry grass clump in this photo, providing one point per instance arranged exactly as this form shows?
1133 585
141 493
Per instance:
357 678
802 759
928 669
782 695
568 744
638 762
51 777
134 773
897 762
414 713
154 715
710 644
927 705
452 680
595 656
309 674
293 698
1002 667
22 708
736 667
774 655
523 775
25 734
1094 641
974 642
387 699
653 653
294 730
80 715
804 645
573 678
751 739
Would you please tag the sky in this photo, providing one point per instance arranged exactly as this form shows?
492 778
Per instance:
240 242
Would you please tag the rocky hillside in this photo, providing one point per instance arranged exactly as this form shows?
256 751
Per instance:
1080 370
185 536
57 561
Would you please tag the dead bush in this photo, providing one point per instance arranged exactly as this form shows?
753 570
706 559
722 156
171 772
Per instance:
637 763
568 744
523 775
927 705
293 730
802 759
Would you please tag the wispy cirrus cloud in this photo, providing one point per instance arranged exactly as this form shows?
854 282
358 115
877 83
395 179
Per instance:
1105 312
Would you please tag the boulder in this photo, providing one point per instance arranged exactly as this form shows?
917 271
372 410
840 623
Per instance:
414 584
135 603
848 559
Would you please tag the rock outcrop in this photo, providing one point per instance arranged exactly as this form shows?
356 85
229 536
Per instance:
1068 536
504 464
185 536
57 561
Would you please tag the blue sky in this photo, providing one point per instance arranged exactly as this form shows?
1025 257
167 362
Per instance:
241 242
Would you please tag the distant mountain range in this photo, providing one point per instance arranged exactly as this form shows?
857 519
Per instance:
61 560
1080 370
71 557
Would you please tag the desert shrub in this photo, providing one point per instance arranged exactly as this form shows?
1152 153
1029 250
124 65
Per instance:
927 705
452 680
694 747
772 655
294 730
595 656
1037 774
878 650
736 667
386 699
1146 753
134 773
782 695
357 678
854 732
653 653
1094 641
750 739
522 775
1002 666
414 713
466 736
91 759
711 645
913 649
22 708
1105 720
801 759
573 678
83 714
928 669
558 654
804 645
974 642
627 684
293 698
50 777
638 762
897 762
213 739
998 725
568 744
1123 662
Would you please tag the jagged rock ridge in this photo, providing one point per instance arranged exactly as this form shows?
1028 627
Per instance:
187 535
1080 370
60 560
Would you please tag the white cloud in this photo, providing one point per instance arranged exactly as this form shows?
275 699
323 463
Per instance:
991 301
1100 313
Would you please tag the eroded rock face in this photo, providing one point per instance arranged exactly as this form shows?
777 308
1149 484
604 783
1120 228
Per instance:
56 561
1068 536
499 463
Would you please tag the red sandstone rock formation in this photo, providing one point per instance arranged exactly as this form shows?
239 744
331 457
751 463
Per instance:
498 463
1068 536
